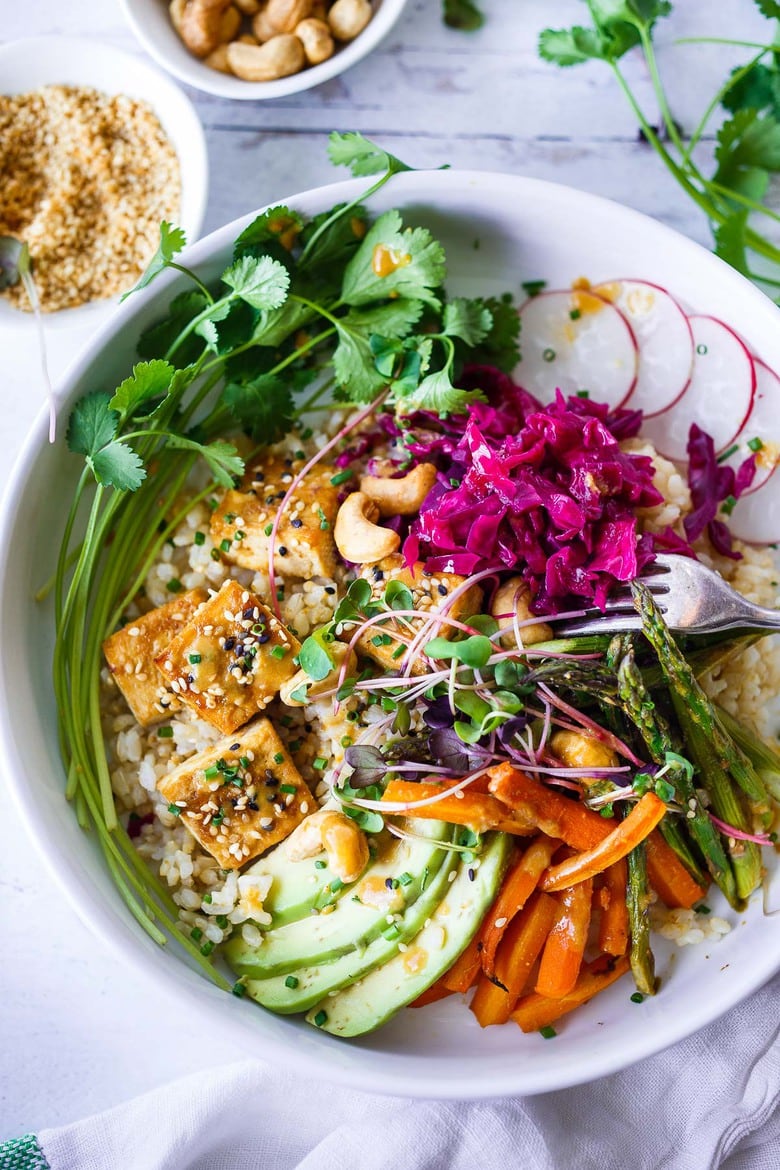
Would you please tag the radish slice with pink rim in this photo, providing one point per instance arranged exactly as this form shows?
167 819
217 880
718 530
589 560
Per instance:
719 396
763 424
664 337
576 341
756 517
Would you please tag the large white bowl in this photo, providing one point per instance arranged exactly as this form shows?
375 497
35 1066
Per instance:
35 61
151 23
524 229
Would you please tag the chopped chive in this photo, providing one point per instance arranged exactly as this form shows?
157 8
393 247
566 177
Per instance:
165 732
637 997
194 659
278 651
336 885
398 651
320 1018
575 314
225 544
703 909
174 585
291 981
239 535
196 934
213 503
207 899
207 947
346 741
243 761
724 455
392 932
320 764
221 921
320 864
268 529
174 810
306 433
199 538
228 517
288 788
755 444
238 989
214 554
548 1032
405 879
341 477
728 505
278 758
583 393
211 772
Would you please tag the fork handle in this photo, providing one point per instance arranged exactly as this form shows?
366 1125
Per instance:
744 616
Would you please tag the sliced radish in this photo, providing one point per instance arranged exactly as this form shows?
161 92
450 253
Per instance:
664 337
756 517
719 396
763 423
576 341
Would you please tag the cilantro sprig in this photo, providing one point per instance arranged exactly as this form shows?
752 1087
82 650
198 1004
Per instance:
304 308
747 150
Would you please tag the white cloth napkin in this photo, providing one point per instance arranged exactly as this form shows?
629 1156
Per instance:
710 1101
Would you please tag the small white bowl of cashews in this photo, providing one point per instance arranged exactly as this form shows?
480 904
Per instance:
259 49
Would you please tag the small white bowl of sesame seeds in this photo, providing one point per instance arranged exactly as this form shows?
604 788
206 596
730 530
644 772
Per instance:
97 148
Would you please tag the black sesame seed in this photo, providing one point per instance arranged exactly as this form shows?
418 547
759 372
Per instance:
270 499
378 575
389 883
282 551
229 643
471 875
297 522
234 747
248 613
259 476
190 678
442 590
331 589
263 638
253 805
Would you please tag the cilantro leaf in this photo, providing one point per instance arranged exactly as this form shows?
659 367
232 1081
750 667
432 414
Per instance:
92 433
339 239
263 406
172 240
222 458
353 365
262 283
758 89
208 331
394 262
769 8
93 424
500 347
470 320
362 156
273 231
394 319
117 465
748 147
730 241
572 46
463 15
149 380
437 393
156 339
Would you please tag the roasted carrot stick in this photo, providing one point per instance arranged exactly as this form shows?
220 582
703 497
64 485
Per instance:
464 970
478 810
613 927
564 950
668 876
518 886
433 994
538 1011
493 1001
639 823
555 815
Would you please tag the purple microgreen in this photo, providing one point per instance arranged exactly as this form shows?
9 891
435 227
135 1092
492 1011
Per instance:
368 764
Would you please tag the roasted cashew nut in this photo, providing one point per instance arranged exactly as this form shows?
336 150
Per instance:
358 538
578 750
315 37
279 57
200 25
513 597
348 18
403 496
343 841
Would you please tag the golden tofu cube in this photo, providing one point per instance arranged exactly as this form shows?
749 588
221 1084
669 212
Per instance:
240 796
230 659
304 545
430 592
131 655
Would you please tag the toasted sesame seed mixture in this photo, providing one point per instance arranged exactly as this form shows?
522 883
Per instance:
87 178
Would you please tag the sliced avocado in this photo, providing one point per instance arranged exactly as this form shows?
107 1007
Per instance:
351 925
373 1000
296 886
297 992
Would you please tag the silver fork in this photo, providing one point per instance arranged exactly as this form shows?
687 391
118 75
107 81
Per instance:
691 597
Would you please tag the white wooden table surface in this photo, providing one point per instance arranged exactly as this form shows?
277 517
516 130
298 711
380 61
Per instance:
78 1032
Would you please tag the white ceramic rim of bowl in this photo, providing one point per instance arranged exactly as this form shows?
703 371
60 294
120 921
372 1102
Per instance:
405 1075
157 35
31 62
